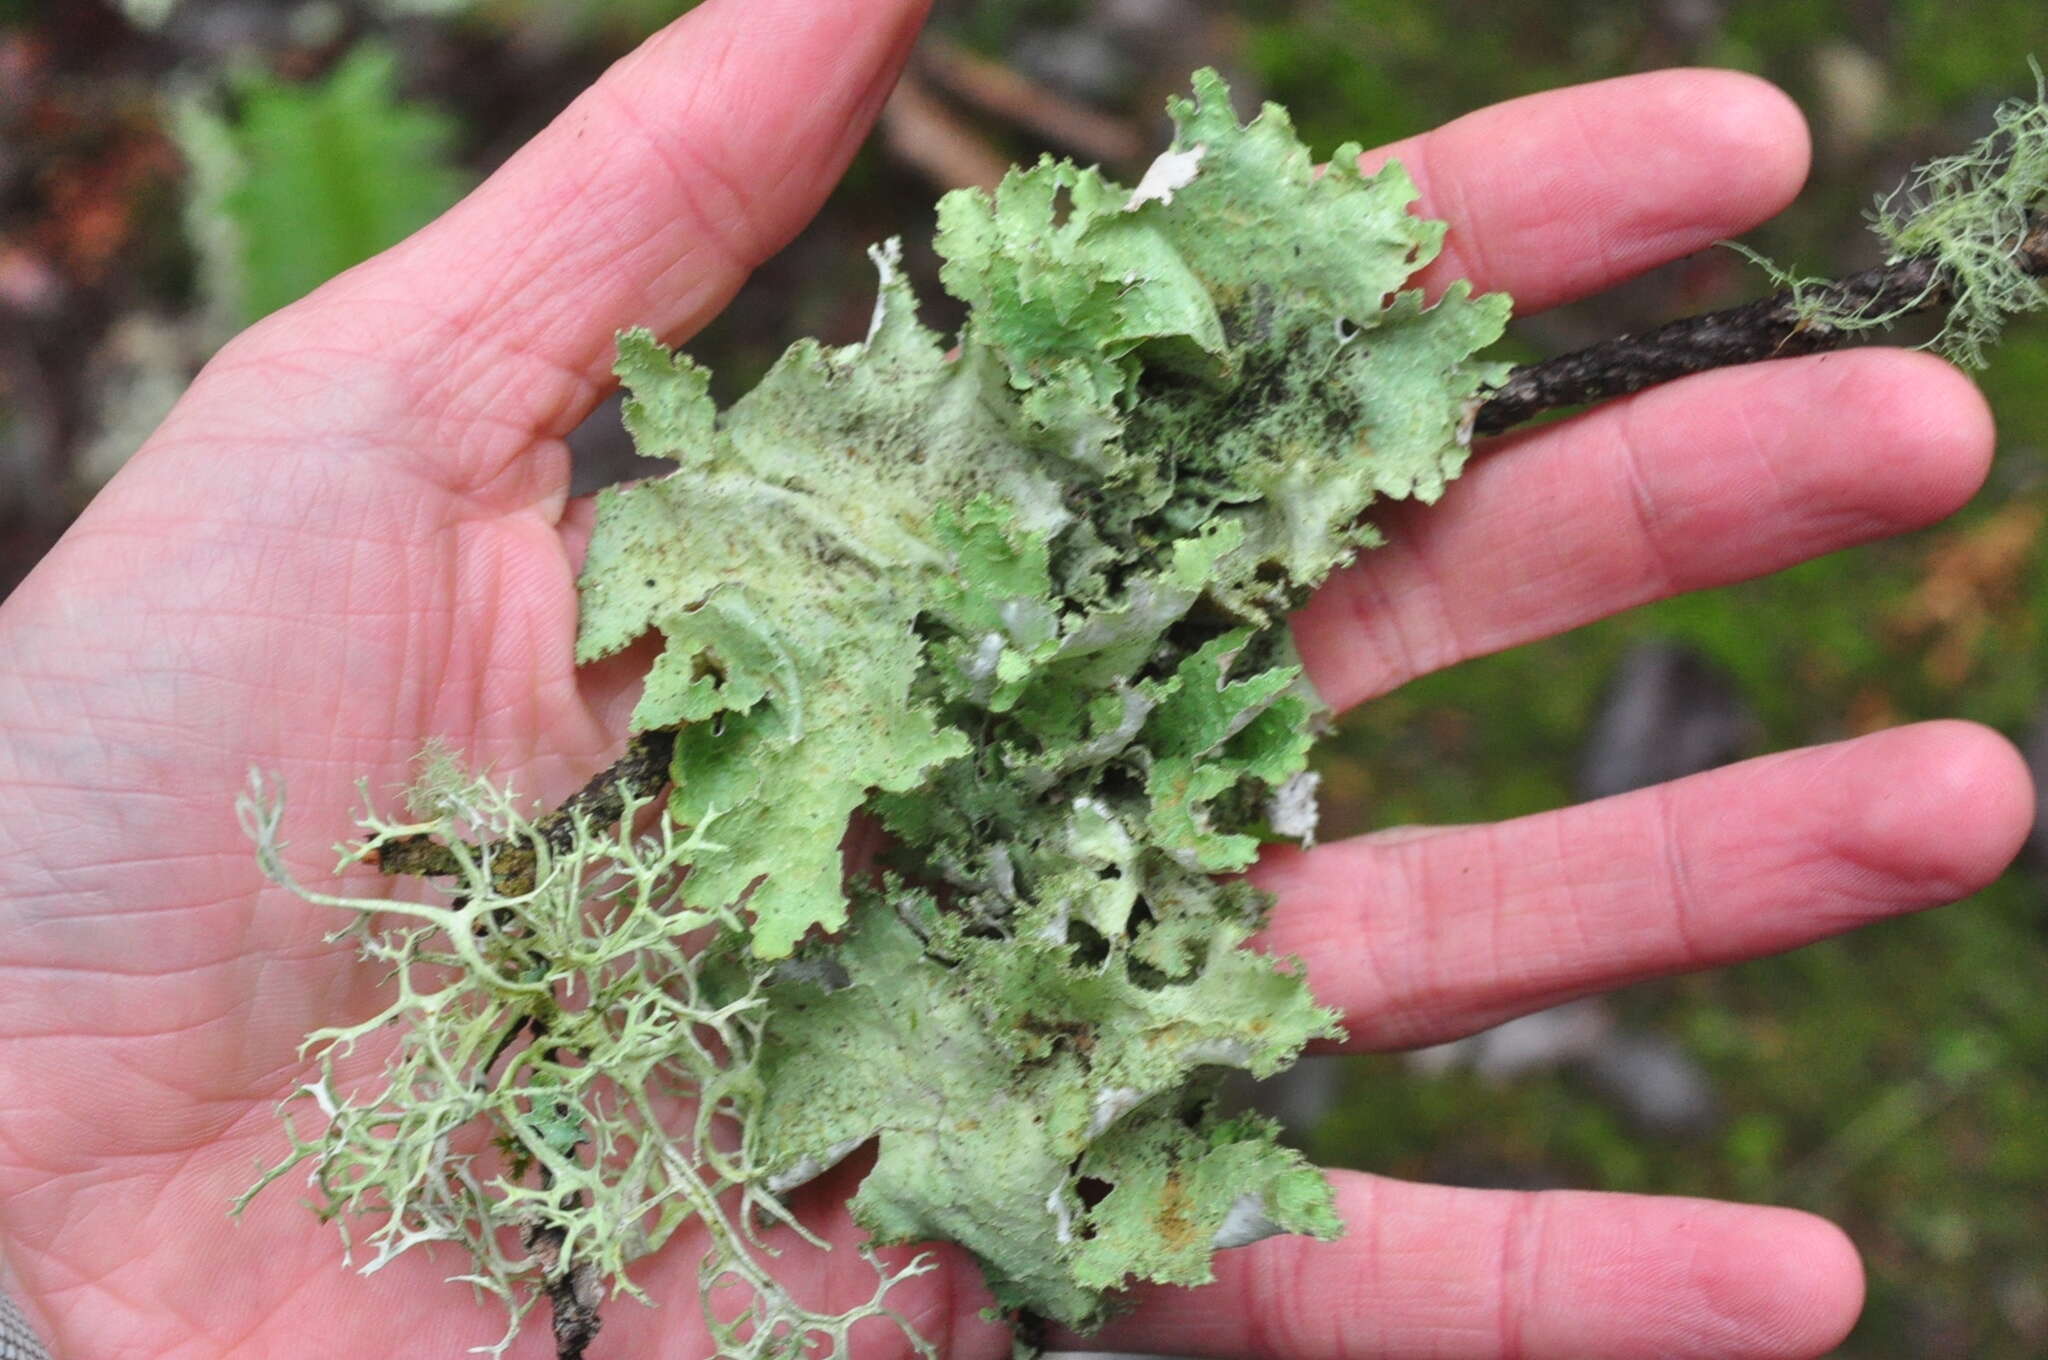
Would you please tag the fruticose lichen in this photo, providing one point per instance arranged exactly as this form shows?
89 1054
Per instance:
1967 213
1024 604
544 1029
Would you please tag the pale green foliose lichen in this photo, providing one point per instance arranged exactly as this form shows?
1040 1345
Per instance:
1024 603
1027 604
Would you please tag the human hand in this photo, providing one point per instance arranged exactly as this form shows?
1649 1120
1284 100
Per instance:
355 535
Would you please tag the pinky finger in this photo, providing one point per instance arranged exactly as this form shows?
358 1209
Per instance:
1426 1271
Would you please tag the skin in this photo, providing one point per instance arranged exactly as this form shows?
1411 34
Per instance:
355 533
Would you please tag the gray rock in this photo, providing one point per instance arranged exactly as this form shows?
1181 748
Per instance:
1668 712
1527 1044
1300 1096
1654 1083
1077 61
1646 1076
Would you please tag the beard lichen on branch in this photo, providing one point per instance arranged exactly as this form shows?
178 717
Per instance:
1024 603
1965 236
1975 219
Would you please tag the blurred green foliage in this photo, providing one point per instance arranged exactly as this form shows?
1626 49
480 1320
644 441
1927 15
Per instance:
1954 56
316 177
629 19
1374 72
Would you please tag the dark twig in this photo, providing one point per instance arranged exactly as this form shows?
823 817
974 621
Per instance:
1029 1333
642 770
1769 328
499 1049
1773 327
574 1295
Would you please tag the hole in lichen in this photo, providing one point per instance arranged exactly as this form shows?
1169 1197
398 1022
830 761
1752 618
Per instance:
1088 947
1062 206
1143 974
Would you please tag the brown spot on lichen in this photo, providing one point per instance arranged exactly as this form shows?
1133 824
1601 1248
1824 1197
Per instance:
1173 1217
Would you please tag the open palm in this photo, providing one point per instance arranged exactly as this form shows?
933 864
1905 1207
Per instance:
355 534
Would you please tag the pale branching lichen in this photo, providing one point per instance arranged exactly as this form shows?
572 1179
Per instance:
1968 213
1023 601
573 1068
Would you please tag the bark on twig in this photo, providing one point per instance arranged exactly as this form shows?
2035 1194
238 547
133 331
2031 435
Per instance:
642 770
1773 327
1769 328
574 1295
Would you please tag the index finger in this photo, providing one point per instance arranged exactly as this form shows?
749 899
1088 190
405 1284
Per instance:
1556 195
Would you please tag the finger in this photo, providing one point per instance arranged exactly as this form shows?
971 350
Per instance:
647 202
1560 194
1426 1271
1420 936
1712 479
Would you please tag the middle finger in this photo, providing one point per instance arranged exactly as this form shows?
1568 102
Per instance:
1714 478
1422 935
